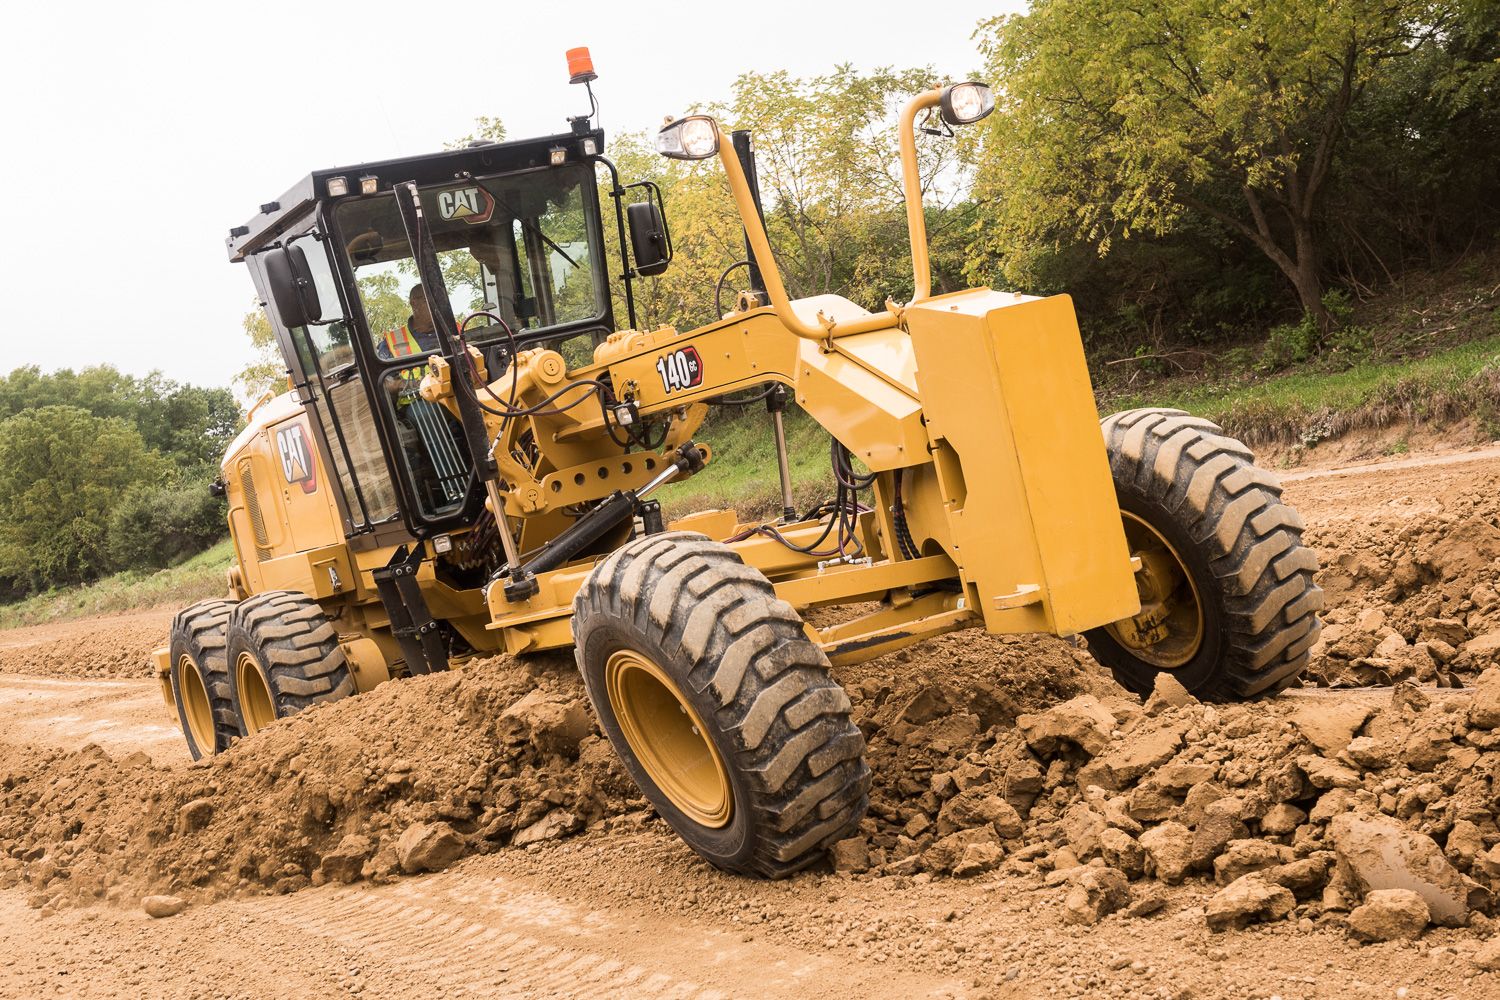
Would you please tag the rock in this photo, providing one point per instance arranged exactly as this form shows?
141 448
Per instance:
1376 852
1180 777
1484 710
428 847
976 859
1371 754
1370 621
344 862
1482 648
196 814
1096 893
1170 848
1488 955
1303 877
1120 850
1241 857
1282 819
1132 758
163 906
1150 804
1324 773
557 823
851 855
1219 824
1465 844
942 856
974 807
1247 900
1330 725
552 723
1167 693
1146 902
1083 826
1082 722
1448 630
1389 914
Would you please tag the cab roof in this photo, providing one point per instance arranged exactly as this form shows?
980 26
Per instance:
276 217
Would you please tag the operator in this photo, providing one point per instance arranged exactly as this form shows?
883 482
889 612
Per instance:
416 336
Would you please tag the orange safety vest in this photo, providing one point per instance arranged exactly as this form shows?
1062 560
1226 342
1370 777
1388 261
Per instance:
401 343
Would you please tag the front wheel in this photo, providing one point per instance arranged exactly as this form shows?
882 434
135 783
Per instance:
1228 602
721 708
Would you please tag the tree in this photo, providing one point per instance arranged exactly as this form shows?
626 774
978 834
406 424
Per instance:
61 471
268 369
1124 118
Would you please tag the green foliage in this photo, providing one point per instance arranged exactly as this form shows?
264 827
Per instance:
62 469
158 524
268 369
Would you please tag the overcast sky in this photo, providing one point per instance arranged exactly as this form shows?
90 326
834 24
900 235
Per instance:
136 134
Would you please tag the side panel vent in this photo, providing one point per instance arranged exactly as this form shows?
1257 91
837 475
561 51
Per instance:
252 505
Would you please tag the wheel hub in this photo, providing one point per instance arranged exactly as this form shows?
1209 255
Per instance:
668 738
1168 631
195 704
256 708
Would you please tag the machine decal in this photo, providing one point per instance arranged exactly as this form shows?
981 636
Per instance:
473 205
682 369
296 457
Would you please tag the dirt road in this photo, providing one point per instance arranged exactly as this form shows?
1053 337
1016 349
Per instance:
622 908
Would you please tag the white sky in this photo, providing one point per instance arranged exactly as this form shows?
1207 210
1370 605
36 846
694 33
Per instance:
137 133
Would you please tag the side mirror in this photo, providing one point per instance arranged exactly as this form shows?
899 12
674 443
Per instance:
649 242
292 288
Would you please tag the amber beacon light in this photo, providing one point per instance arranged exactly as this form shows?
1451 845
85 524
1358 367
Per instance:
580 66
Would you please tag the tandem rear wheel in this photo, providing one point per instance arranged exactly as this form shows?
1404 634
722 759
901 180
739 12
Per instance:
284 656
721 708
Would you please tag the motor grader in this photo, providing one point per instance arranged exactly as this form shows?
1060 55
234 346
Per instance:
466 460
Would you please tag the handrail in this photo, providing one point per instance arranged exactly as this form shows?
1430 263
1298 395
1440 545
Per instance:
911 181
916 223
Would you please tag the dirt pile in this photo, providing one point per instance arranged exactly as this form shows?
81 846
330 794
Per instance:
404 779
1309 806
1412 593
116 646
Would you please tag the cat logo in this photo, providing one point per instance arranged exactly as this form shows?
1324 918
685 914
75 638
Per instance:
473 205
296 457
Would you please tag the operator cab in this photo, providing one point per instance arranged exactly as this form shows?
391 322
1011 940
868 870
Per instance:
519 237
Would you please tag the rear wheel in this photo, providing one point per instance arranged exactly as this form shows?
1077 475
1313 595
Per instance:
200 677
720 706
284 656
1228 603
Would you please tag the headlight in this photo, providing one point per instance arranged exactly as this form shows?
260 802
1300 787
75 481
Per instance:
692 138
966 103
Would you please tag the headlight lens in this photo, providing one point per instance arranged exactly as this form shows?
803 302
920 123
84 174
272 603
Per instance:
692 138
966 103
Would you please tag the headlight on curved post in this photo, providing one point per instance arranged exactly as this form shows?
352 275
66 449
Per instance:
695 137
966 103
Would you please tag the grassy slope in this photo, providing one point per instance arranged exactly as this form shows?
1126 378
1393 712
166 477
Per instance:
199 577
1311 406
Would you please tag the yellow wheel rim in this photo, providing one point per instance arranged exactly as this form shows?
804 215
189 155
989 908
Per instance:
668 738
195 704
1169 630
256 708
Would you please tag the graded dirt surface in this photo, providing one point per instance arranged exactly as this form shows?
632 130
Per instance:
1033 831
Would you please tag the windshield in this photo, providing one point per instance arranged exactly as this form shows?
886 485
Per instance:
518 245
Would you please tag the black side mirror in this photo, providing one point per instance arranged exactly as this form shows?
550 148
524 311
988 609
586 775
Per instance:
292 288
649 242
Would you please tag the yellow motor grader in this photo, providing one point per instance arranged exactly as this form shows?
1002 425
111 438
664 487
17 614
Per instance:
466 460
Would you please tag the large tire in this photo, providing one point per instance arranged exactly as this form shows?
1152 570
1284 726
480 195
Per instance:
1239 558
284 656
720 706
200 677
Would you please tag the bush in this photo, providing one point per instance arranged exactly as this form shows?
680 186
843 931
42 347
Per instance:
155 525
